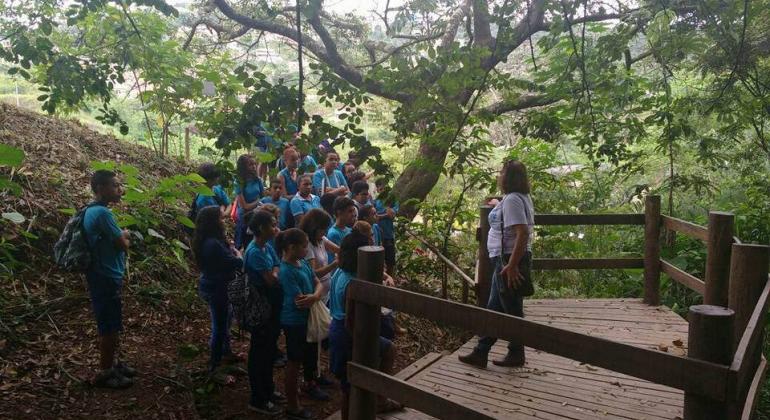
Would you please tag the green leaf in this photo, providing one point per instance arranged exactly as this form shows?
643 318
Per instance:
68 211
14 217
128 169
7 184
155 234
203 190
196 178
11 156
126 220
97 165
29 235
185 221
264 157
180 244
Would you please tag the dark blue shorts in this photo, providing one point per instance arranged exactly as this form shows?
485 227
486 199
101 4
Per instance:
106 302
341 351
297 347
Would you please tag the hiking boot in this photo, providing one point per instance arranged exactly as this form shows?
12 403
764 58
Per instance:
324 382
112 379
475 358
267 408
126 370
313 392
511 359
299 414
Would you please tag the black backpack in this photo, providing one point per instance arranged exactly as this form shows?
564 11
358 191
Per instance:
192 213
72 251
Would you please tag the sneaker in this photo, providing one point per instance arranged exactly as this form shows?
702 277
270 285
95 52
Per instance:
267 408
112 379
475 358
125 370
278 398
300 414
315 393
324 382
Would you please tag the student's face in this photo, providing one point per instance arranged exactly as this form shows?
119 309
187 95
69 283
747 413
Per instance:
380 188
111 191
292 160
270 231
252 166
332 161
275 190
348 216
362 197
319 236
298 251
349 169
305 186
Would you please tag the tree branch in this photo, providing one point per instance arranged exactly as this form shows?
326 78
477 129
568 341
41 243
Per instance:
519 104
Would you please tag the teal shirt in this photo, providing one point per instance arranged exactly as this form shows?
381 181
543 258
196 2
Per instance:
290 184
258 259
102 231
322 180
300 206
337 293
283 206
295 280
386 223
218 199
377 235
251 192
336 235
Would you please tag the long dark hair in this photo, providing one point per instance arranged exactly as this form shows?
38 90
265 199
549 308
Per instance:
513 178
258 220
348 257
208 224
242 167
288 237
314 221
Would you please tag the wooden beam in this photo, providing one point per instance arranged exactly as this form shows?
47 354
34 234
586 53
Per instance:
589 219
485 268
702 378
720 241
752 335
753 394
686 228
652 250
585 263
682 277
426 401
443 258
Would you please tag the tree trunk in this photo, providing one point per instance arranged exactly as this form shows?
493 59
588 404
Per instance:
419 177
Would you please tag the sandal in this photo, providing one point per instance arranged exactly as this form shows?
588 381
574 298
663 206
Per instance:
112 379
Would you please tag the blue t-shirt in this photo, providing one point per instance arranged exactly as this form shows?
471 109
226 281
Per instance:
336 235
295 280
218 199
376 235
386 223
283 206
258 259
337 292
290 184
251 193
300 205
102 231
322 180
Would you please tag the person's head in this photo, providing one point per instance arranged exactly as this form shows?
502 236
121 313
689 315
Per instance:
292 244
348 255
291 158
350 167
246 167
106 187
365 229
327 202
210 173
272 209
315 223
513 178
381 184
263 225
360 192
208 224
305 185
368 214
344 211
356 176
275 188
332 161
354 157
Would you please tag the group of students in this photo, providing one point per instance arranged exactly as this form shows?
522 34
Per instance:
297 243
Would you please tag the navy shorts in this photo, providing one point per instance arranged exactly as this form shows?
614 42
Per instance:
297 347
341 351
106 302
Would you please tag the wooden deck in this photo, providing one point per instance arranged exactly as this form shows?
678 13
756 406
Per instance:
553 387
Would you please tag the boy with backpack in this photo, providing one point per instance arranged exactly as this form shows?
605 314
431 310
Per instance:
209 172
108 244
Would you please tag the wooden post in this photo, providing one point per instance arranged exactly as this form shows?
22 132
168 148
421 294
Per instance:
720 239
465 292
485 264
652 250
709 339
187 143
366 331
748 276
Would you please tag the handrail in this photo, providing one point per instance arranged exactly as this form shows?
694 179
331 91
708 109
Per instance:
443 258
692 375
590 219
682 277
751 336
585 263
684 227
752 396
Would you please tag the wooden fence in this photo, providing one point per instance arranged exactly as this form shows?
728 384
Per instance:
721 375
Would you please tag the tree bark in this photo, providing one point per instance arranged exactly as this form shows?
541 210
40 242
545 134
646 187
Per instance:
421 174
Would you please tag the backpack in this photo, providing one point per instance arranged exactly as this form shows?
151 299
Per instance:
72 251
250 307
192 213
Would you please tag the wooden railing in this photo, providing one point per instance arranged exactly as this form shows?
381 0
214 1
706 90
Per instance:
721 375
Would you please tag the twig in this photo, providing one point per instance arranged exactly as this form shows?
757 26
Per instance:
53 323
171 381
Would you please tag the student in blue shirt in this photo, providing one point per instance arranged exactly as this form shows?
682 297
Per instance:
261 263
279 201
248 190
329 180
304 200
369 214
210 173
301 289
387 208
340 337
108 244
360 193
289 176
218 260
345 215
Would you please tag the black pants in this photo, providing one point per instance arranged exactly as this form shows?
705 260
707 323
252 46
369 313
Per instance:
262 351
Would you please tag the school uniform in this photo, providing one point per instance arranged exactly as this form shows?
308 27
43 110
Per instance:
283 205
251 191
301 205
336 235
388 231
218 199
297 280
289 183
323 180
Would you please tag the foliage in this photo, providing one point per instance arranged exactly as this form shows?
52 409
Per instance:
14 236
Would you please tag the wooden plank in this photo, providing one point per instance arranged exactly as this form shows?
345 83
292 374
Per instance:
754 391
686 228
589 219
585 263
652 250
682 277
751 337
428 402
695 376
718 245
418 366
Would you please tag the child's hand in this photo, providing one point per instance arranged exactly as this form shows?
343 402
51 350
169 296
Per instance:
305 301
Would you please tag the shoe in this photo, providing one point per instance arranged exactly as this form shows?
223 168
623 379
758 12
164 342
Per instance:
324 382
511 359
267 408
112 379
279 362
300 414
315 393
125 370
475 358
278 398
